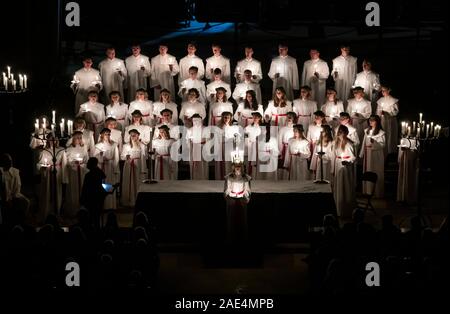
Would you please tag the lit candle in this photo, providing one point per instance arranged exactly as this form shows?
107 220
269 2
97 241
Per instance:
420 117
53 129
36 127
403 128
62 126
315 68
21 81
427 130
14 84
432 128
409 130
9 71
25 85
414 126
45 162
53 117
44 123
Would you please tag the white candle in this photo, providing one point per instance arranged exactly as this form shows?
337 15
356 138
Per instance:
9 71
62 126
44 123
432 128
25 85
53 129
315 68
45 162
53 117
12 77
427 130
21 81
414 126
36 128
420 117
409 130
14 84
403 128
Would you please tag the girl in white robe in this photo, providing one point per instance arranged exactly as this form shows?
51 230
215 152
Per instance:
315 128
225 135
196 138
278 108
243 114
165 102
387 109
77 157
372 152
192 107
165 167
284 135
88 136
220 105
45 167
297 155
332 108
323 145
407 171
135 168
252 139
107 153
304 108
117 109
360 110
144 105
342 171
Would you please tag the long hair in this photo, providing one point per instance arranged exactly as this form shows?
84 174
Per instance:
254 104
300 130
166 132
378 127
341 143
328 135
169 99
279 102
77 134
221 122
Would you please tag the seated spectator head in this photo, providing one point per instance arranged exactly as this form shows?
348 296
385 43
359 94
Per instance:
92 163
141 220
5 161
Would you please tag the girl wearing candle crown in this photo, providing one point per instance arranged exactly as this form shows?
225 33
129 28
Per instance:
237 192
323 145
332 108
77 157
165 167
372 151
107 153
278 108
243 114
388 110
297 155
117 109
134 154
220 105
45 167
342 171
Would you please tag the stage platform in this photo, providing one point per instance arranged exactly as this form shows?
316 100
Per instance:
194 211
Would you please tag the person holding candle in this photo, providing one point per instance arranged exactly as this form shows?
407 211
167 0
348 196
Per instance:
344 119
221 104
113 73
248 63
344 73
243 114
85 80
284 72
370 81
144 105
218 61
343 173
278 107
77 157
196 137
332 108
45 166
252 134
134 154
117 109
217 82
191 60
315 74
164 68
224 142
192 81
360 110
107 153
315 129
388 110
304 107
138 70
116 135
191 107
268 157
323 146
372 152
93 113
165 102
137 124
284 135
88 136
165 167
297 155
166 119
245 85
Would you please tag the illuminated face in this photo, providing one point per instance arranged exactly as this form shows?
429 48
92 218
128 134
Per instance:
115 98
345 51
164 134
165 96
296 133
166 117
248 53
331 95
134 137
279 94
238 169
106 136
290 119
343 120
77 140
283 51
136 50
79 125
256 119
163 50
318 119
193 74
226 119
93 97
140 95
111 125
216 50
314 54
372 123
304 93
191 49
220 95
358 94
87 63
137 119
248 75
249 97
367 66
192 96
111 53
385 91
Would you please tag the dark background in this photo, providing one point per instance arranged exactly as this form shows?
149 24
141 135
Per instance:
409 50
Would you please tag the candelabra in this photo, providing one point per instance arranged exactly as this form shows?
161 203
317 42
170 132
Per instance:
321 153
152 153
9 83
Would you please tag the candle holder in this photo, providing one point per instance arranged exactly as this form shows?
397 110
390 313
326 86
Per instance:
152 153
321 153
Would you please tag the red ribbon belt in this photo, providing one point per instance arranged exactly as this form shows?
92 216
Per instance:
278 115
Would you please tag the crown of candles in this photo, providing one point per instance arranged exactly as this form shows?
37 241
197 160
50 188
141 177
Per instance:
420 129
9 82
237 156
41 125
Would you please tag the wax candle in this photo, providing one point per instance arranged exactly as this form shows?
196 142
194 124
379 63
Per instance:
420 117
409 130
25 84
53 117
9 71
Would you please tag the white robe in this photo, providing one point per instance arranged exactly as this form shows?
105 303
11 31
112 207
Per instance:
118 111
174 130
112 80
407 172
211 90
373 154
137 78
313 135
134 171
304 109
189 83
77 158
315 161
244 116
160 106
296 159
248 64
216 109
346 68
187 62
267 162
252 141
45 167
370 81
318 85
188 109
196 138
165 167
88 141
352 135
145 107
241 89
343 184
389 121
144 130
364 109
220 62
162 75
94 115
332 111
287 68
277 115
109 163
86 81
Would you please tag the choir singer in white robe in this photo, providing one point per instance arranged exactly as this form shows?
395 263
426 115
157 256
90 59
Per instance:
248 64
164 68
370 81
344 73
113 73
284 72
315 74
218 61
138 68
85 80
191 60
